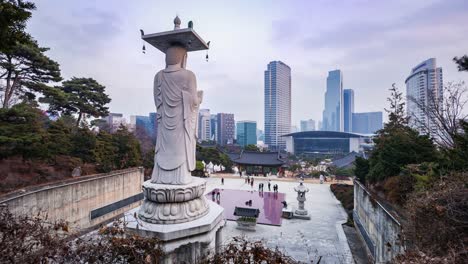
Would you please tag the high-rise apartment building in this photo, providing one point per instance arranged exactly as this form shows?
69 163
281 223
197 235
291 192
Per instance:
333 113
225 128
204 125
246 133
424 87
307 125
277 80
348 105
367 123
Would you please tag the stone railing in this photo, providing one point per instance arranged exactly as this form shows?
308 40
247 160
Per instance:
83 201
378 227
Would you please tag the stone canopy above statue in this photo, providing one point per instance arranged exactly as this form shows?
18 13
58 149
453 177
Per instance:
185 37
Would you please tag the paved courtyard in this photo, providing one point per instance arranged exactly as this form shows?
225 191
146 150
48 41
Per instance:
304 240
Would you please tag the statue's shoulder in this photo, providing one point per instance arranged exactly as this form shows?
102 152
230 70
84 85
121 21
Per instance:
158 74
190 74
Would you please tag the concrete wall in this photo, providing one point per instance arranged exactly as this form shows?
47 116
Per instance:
83 201
379 229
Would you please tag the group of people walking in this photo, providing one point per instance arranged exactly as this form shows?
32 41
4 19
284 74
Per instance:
250 181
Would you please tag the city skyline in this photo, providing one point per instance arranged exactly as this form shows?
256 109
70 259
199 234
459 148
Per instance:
382 47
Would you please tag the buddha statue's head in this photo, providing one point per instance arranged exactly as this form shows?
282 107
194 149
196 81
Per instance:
176 54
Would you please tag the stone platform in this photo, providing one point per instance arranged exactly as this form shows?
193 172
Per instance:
301 214
183 242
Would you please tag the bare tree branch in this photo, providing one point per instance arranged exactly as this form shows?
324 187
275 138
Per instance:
442 115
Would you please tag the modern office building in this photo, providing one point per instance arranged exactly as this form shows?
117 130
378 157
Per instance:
348 105
141 124
326 143
277 80
424 86
246 133
213 121
225 128
333 113
204 125
144 127
307 125
367 123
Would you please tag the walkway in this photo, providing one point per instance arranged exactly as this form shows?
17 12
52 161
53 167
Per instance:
304 240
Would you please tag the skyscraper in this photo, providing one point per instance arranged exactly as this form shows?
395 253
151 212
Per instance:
367 123
277 104
307 125
204 125
424 86
348 104
333 113
225 128
246 133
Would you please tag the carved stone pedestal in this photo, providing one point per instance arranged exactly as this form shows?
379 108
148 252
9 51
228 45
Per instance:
188 225
172 204
183 242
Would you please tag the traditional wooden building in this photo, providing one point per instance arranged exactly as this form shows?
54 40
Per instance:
258 163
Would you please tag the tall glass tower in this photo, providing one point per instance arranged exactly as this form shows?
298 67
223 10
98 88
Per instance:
424 86
277 104
333 113
246 133
348 104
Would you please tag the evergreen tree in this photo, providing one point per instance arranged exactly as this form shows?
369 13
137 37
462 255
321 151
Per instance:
83 145
251 147
82 96
22 132
24 68
462 63
105 152
59 135
397 145
13 18
361 168
128 149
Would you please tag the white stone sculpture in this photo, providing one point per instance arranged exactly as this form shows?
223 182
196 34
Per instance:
301 190
173 195
174 209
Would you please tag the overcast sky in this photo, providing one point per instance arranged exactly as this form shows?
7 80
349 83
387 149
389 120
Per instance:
374 43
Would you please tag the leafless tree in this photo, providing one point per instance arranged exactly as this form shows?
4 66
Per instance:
442 115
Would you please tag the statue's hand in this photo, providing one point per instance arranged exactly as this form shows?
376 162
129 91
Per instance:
200 96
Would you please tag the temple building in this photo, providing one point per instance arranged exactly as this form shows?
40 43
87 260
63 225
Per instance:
258 163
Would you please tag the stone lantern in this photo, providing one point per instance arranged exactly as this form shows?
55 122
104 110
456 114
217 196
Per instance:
301 212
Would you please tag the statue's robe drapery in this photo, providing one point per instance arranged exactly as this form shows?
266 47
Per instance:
177 103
